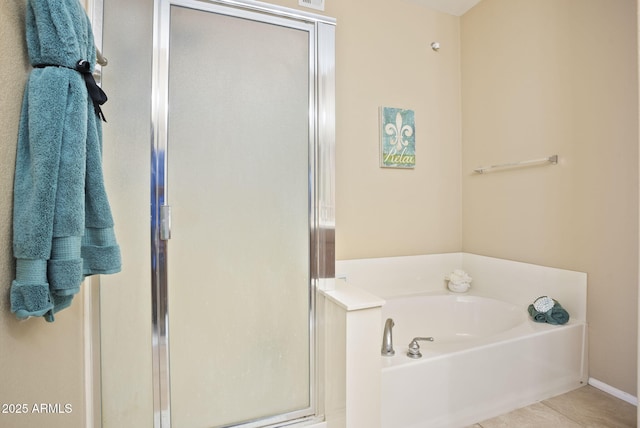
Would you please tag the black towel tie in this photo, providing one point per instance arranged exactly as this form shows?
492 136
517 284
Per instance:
95 92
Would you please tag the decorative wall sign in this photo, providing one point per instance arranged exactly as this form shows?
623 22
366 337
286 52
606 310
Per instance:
397 138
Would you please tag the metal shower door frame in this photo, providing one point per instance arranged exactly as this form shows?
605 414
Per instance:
321 186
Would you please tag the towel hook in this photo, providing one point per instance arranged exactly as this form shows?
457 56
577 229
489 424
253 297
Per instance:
100 59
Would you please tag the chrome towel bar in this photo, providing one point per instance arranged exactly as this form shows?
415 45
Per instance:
551 159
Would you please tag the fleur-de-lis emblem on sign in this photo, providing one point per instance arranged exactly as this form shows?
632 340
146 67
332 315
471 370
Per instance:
398 132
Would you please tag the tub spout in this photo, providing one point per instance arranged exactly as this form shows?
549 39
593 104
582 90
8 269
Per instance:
387 339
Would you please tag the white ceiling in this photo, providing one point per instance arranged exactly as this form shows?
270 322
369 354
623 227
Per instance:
452 7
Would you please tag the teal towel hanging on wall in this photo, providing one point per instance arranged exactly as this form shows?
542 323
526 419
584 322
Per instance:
62 222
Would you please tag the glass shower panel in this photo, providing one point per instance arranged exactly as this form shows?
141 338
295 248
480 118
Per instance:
239 189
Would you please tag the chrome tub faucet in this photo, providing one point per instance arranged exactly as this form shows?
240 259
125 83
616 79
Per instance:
387 339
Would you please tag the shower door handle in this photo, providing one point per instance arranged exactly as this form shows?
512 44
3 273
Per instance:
165 222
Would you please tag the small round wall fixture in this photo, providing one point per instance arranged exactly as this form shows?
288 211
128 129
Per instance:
435 46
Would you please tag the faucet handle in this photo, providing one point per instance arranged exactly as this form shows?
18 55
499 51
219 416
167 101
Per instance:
414 347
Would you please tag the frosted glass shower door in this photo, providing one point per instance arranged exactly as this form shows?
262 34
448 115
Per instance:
238 260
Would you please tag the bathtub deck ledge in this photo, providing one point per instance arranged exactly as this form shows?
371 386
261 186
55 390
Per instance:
352 298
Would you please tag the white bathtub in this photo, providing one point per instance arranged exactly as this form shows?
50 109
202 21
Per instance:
487 358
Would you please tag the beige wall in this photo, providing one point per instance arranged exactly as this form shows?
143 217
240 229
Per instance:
384 58
40 362
545 77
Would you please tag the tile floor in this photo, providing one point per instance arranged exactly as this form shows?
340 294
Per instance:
584 407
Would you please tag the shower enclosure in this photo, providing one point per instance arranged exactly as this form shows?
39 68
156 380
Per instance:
241 174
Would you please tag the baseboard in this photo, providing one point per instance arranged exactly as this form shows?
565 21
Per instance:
613 391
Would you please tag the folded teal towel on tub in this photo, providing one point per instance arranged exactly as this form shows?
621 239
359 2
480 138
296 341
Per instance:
547 310
537 316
